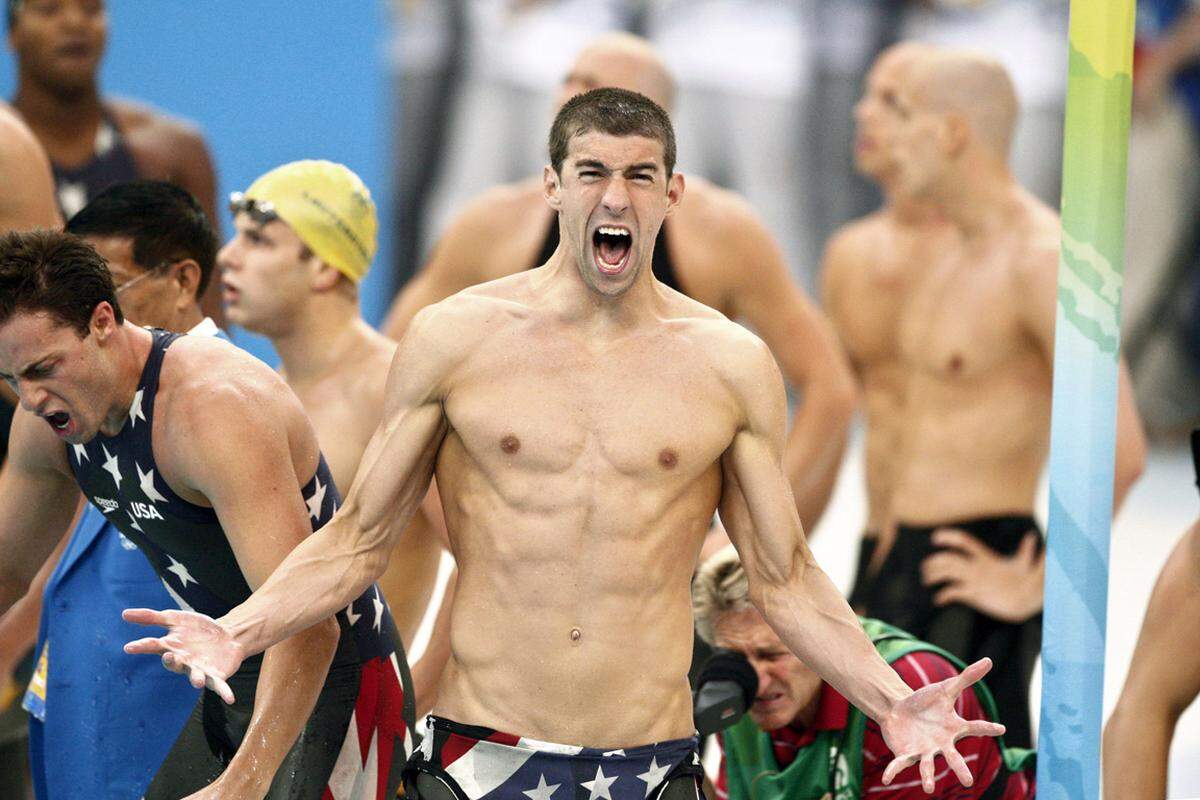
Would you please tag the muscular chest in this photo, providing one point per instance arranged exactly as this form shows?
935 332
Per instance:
649 410
963 319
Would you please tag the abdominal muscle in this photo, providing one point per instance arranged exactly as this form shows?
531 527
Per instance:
573 624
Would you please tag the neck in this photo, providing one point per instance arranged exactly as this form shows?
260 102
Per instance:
188 318
322 336
59 113
977 199
131 347
594 313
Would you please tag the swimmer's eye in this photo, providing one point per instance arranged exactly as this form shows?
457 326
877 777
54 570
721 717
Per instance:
590 173
643 177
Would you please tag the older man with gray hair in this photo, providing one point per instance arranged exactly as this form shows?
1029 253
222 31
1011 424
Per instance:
801 738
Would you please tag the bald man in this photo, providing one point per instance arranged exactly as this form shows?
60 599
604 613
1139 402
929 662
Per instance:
960 559
713 249
869 270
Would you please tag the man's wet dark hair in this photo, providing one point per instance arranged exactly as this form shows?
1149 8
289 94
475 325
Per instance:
617 112
10 13
54 272
165 222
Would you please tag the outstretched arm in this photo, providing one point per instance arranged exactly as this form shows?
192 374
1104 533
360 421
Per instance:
1163 680
804 607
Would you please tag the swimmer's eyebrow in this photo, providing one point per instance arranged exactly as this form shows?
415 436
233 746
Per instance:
591 163
24 373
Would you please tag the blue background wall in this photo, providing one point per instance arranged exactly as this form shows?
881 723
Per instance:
269 81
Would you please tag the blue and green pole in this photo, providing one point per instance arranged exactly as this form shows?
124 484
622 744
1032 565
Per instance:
1083 422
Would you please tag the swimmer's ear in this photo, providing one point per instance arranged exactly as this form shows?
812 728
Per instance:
550 187
187 275
324 276
674 192
955 134
103 322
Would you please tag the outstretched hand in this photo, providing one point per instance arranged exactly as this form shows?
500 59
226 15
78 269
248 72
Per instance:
925 725
195 645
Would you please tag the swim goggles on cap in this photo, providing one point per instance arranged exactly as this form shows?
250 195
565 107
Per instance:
260 211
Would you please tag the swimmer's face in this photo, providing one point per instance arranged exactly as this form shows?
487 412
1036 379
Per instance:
880 115
266 275
922 147
786 686
59 42
62 377
612 197
156 297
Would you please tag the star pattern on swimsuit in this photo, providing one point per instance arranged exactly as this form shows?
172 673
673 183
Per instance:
316 501
111 466
611 753
542 791
181 571
350 615
654 775
600 785
378 604
135 410
146 479
80 453
133 523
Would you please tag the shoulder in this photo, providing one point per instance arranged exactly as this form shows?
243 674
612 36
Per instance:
145 124
212 384
739 357
723 218
1039 239
497 210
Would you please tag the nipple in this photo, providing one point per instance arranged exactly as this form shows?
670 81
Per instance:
668 459
510 444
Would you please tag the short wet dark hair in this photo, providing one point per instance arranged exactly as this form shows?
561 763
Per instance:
617 112
54 272
10 13
165 222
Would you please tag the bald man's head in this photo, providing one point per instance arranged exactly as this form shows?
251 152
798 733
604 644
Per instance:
620 61
971 86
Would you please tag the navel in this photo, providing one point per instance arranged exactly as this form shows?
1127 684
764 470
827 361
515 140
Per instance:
510 444
576 635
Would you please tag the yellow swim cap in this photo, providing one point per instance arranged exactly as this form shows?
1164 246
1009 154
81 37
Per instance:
328 207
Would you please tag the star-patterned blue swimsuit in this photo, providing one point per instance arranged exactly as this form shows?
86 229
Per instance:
188 549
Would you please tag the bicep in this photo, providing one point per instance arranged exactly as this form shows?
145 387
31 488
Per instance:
756 505
246 471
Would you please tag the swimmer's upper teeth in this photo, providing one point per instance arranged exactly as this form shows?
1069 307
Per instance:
614 231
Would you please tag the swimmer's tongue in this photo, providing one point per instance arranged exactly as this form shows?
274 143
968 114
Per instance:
613 248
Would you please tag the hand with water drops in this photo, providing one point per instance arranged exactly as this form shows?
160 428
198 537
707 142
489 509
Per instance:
195 645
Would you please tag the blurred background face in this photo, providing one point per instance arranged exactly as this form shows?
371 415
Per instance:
148 296
877 116
787 689
265 275
59 43
918 145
